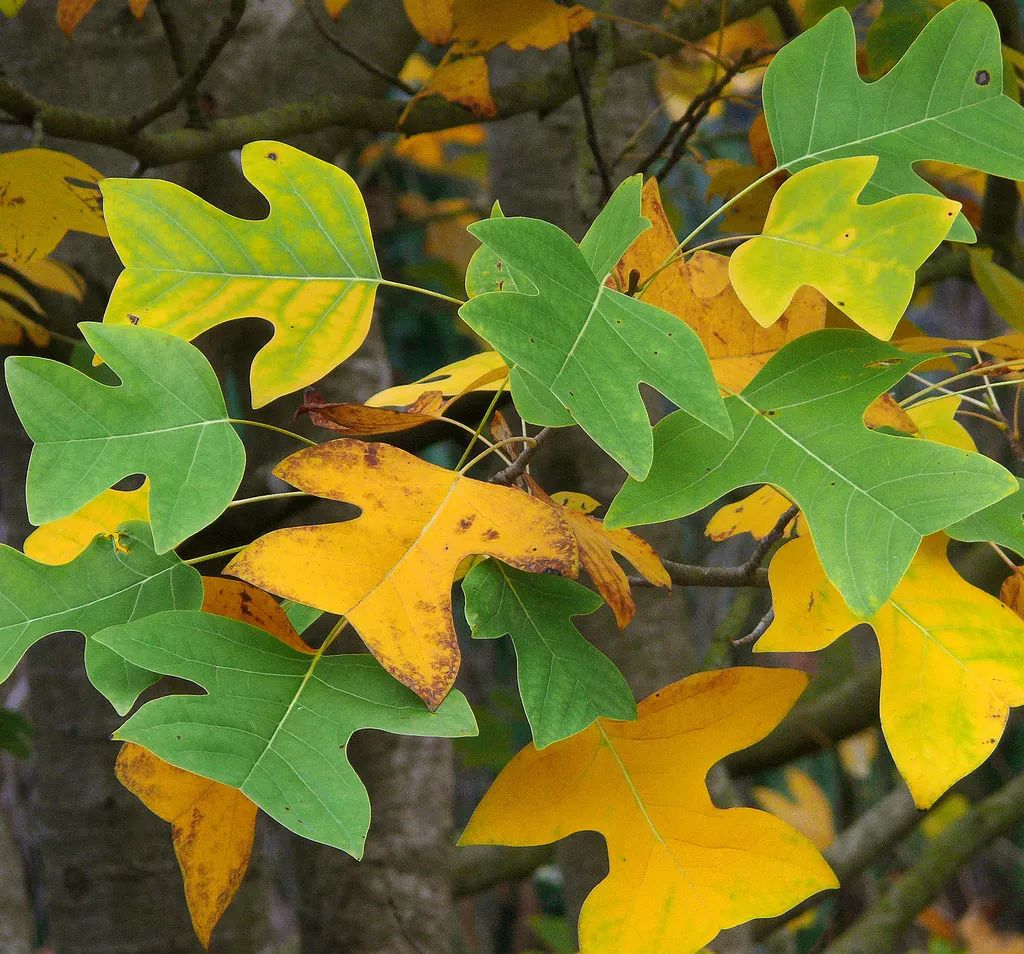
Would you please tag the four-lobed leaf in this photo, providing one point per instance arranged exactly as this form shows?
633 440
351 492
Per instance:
952 658
309 267
868 497
586 345
565 682
275 721
167 419
863 258
115 579
390 571
681 869
943 100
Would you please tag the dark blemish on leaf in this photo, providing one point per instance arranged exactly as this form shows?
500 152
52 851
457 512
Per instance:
465 523
841 304
768 412
491 534
272 156
883 363
371 455
134 319
501 285
982 77
810 603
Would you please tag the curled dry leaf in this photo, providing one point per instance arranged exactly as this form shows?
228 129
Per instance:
390 570
365 420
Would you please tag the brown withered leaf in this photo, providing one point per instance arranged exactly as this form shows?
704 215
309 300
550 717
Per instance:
363 421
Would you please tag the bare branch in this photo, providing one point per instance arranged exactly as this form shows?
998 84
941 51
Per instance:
517 468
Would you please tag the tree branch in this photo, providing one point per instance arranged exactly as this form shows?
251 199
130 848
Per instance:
517 468
885 921
475 868
176 46
541 94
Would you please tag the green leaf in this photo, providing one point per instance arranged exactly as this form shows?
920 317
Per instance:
587 344
863 258
308 268
118 578
565 682
487 272
1003 290
275 723
1002 523
167 419
300 615
868 497
944 101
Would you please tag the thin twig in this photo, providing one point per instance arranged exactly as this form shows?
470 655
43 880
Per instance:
758 631
345 50
176 46
191 80
685 574
607 186
517 468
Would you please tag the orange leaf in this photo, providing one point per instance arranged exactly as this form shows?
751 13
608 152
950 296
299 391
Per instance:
597 547
681 869
462 80
699 293
334 8
364 420
390 570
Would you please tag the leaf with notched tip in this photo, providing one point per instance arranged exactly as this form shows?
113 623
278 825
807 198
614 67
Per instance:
389 571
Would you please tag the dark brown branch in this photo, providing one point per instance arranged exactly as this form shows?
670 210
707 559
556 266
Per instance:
758 631
354 55
187 85
517 468
540 94
686 574
885 921
831 717
587 108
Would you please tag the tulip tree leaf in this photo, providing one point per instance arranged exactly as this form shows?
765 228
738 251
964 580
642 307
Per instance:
587 344
1002 523
275 722
167 419
565 682
943 100
115 579
868 497
863 258
309 267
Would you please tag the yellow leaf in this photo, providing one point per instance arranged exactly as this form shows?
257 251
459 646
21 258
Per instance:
756 514
481 25
427 150
1003 289
334 8
728 178
10 8
863 258
597 549
582 503
434 20
459 79
390 570
15 325
952 658
55 276
480 372
699 293
858 752
1004 347
935 421
807 808
212 829
680 868
212 825
43 196
886 412
61 541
